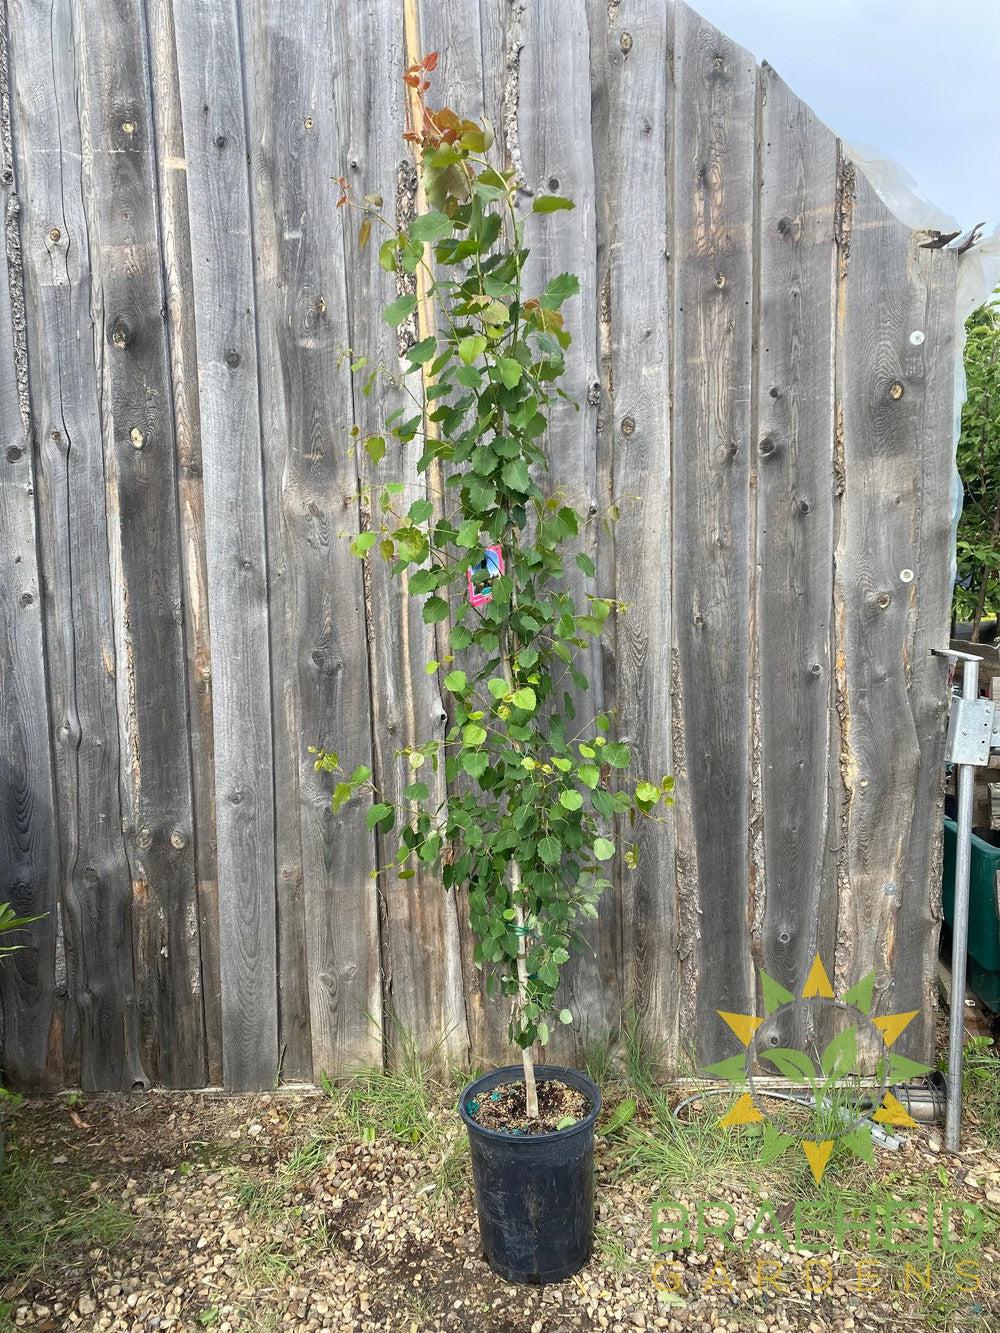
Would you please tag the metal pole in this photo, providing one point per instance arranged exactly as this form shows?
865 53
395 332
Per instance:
960 925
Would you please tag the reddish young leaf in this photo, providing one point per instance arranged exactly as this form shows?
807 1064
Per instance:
430 61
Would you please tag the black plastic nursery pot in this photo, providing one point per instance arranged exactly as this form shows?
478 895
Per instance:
534 1192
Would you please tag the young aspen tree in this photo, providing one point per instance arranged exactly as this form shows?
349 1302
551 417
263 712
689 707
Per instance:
532 792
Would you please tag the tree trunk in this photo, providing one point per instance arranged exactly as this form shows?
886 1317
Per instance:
530 1090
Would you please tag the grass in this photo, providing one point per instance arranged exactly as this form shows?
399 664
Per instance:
981 1085
51 1217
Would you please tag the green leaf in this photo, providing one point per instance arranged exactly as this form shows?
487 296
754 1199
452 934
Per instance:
431 227
471 348
475 762
774 1143
510 371
565 1016
468 534
419 510
560 956
604 849
733 1070
497 686
585 563
550 851
363 542
420 353
775 995
589 775
558 290
416 791
791 1064
571 800
617 754
647 793
375 448
473 734
377 813
421 581
524 698
435 609
841 1056
456 681
400 309
515 476
620 1116
551 203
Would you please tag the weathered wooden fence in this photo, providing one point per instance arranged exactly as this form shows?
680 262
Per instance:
763 357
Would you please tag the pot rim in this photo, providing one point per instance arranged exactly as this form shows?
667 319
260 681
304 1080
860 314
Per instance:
515 1074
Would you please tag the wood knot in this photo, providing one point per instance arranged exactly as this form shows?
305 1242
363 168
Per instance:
628 425
120 334
896 390
232 359
55 234
625 42
767 446
221 141
14 453
26 598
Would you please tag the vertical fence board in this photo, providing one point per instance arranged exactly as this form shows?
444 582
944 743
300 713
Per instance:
795 504
211 81
30 1045
886 696
137 418
467 79
308 415
637 161
98 887
714 207
178 283
557 157
421 953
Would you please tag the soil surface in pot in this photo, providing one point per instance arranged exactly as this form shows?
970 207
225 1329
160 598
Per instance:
504 1108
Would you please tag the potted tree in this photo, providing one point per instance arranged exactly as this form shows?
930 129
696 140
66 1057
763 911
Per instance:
525 834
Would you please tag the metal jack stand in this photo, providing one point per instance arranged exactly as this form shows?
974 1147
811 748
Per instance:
971 735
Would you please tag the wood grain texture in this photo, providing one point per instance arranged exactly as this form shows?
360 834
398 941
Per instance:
209 59
420 947
30 1046
795 513
469 74
131 356
890 694
98 886
556 156
178 284
181 617
321 662
635 165
713 295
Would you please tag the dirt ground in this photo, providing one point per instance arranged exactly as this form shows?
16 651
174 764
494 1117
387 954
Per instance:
175 1211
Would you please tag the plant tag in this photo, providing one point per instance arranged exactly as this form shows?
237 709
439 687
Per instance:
481 575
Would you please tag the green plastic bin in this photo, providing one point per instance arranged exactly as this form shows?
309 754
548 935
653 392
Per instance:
984 922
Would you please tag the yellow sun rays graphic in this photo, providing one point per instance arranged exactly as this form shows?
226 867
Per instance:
837 1061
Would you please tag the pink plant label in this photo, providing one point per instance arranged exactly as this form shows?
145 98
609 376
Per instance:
480 576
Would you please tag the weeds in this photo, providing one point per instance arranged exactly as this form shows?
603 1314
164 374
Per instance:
49 1215
982 1087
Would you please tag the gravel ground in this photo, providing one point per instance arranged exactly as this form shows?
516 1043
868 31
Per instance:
270 1212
